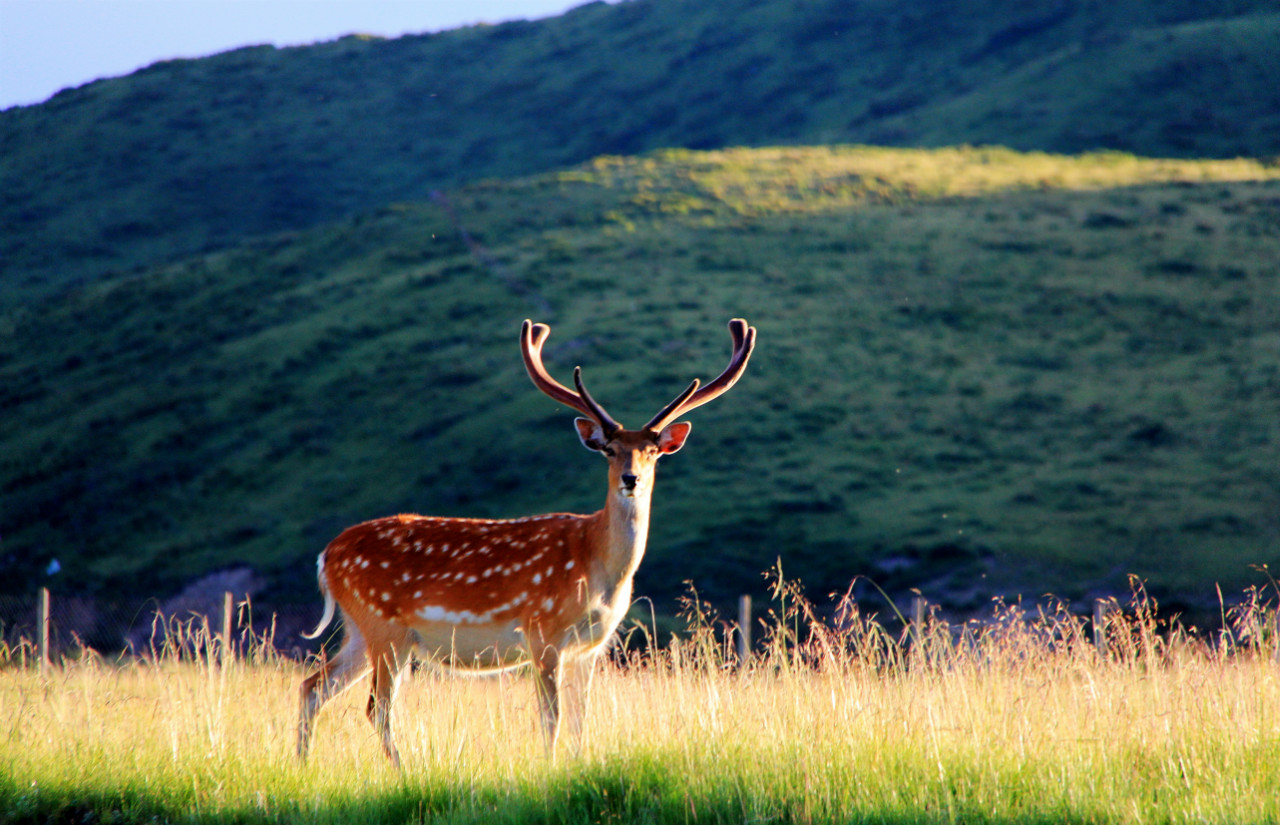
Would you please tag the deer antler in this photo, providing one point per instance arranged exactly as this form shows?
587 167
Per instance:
744 340
532 337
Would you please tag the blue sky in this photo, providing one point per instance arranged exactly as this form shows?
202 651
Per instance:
48 45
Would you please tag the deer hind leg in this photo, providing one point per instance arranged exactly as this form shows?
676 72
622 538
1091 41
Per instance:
331 678
389 655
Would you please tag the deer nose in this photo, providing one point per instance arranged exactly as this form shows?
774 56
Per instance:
629 480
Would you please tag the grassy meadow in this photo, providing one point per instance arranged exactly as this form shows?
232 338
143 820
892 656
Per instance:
249 300
187 156
1015 719
980 372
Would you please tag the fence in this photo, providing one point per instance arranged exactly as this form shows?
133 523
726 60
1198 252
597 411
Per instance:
45 629
48 627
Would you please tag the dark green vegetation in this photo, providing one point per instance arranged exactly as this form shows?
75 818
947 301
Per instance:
978 371
190 156
644 786
236 314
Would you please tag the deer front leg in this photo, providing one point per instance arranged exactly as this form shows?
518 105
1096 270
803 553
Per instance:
575 692
548 668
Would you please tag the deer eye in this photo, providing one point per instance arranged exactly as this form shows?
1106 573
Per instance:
609 451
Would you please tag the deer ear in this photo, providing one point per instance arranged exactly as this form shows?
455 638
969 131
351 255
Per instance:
590 433
673 435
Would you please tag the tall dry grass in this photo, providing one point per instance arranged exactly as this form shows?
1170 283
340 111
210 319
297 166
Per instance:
1016 718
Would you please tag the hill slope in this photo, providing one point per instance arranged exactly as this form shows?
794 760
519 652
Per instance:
977 372
197 154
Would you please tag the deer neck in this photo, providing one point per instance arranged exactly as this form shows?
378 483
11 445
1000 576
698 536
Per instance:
624 531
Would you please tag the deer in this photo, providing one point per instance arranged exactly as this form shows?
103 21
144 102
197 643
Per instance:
484 595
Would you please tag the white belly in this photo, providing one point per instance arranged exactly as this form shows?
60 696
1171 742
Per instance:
472 646
466 641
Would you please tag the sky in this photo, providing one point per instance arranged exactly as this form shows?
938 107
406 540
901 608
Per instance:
49 45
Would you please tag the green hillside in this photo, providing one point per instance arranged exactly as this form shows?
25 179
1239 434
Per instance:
195 155
978 372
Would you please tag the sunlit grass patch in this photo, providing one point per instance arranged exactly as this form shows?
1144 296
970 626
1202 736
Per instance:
1018 718
812 180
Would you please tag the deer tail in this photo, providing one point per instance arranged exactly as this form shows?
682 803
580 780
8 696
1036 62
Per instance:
328 601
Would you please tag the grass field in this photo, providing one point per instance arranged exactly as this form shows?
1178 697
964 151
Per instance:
192 155
980 372
1014 719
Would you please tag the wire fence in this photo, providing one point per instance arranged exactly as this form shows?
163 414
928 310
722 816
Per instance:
46 628
144 627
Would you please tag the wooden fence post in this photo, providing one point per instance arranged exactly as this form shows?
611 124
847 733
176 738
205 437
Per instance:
1100 626
744 629
42 631
1276 638
919 606
228 613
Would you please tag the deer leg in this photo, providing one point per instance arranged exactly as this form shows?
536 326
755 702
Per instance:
388 664
331 678
548 669
575 696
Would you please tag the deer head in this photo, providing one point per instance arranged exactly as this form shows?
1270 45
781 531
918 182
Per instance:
633 454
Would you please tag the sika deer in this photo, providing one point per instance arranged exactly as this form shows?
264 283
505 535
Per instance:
486 595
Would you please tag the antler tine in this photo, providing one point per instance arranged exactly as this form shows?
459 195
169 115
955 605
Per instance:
532 337
597 412
744 341
669 412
